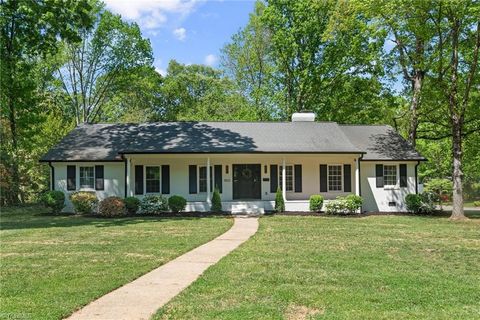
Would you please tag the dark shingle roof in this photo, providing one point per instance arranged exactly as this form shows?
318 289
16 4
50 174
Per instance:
97 142
380 142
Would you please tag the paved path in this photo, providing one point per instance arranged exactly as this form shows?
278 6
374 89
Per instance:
141 298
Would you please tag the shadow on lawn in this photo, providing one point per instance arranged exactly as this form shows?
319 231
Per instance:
29 220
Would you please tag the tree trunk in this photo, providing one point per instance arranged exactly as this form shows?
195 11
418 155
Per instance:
417 83
457 210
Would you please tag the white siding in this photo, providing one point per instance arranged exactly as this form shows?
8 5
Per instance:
377 199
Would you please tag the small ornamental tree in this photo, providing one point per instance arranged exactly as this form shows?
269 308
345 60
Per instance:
216 201
442 188
279 201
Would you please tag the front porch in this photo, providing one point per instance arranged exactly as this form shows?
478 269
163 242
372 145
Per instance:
247 182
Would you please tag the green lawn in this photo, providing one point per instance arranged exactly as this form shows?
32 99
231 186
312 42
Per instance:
50 265
376 267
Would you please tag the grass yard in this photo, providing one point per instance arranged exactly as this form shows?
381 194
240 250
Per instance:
52 265
376 267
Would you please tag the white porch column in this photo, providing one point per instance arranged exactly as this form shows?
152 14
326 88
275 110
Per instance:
357 176
128 173
284 180
208 181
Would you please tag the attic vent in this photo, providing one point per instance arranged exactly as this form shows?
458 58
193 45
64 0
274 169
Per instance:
303 116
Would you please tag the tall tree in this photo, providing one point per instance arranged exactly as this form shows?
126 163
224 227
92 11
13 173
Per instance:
30 31
102 65
198 92
247 59
320 67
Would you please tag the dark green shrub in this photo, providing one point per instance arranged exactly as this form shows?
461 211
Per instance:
279 201
112 207
316 203
132 204
216 201
421 203
54 200
177 203
84 202
153 204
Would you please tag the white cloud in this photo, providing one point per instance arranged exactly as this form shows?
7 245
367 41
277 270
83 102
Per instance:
163 72
151 14
180 33
210 60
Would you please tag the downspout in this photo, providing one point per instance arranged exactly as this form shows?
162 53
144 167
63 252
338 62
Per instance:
416 177
52 176
360 180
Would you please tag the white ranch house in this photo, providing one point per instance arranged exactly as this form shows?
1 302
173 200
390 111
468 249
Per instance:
248 161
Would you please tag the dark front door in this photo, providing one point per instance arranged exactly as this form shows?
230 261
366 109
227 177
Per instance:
246 181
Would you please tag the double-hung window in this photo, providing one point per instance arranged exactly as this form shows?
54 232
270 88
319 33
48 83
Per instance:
289 178
390 175
202 179
334 178
87 177
152 179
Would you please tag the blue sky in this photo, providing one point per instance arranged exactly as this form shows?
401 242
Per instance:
189 31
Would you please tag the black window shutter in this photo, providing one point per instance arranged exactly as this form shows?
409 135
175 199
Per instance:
273 178
379 175
192 178
403 175
138 179
323 178
347 178
165 179
99 181
71 178
218 177
298 177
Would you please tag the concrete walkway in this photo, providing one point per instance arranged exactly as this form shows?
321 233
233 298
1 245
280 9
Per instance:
141 298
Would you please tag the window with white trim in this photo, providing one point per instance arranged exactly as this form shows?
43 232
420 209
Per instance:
202 179
289 178
87 177
152 179
390 175
334 178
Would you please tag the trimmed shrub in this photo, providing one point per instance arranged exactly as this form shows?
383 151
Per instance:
476 203
132 204
423 203
344 205
153 204
279 201
216 201
54 200
112 207
177 203
84 202
316 203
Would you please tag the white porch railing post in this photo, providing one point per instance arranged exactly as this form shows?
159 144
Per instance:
357 176
208 181
284 181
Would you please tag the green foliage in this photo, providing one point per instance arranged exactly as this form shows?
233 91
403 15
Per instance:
279 201
344 205
54 200
197 92
316 203
476 203
84 202
132 204
441 187
177 203
112 207
153 204
216 201
423 203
